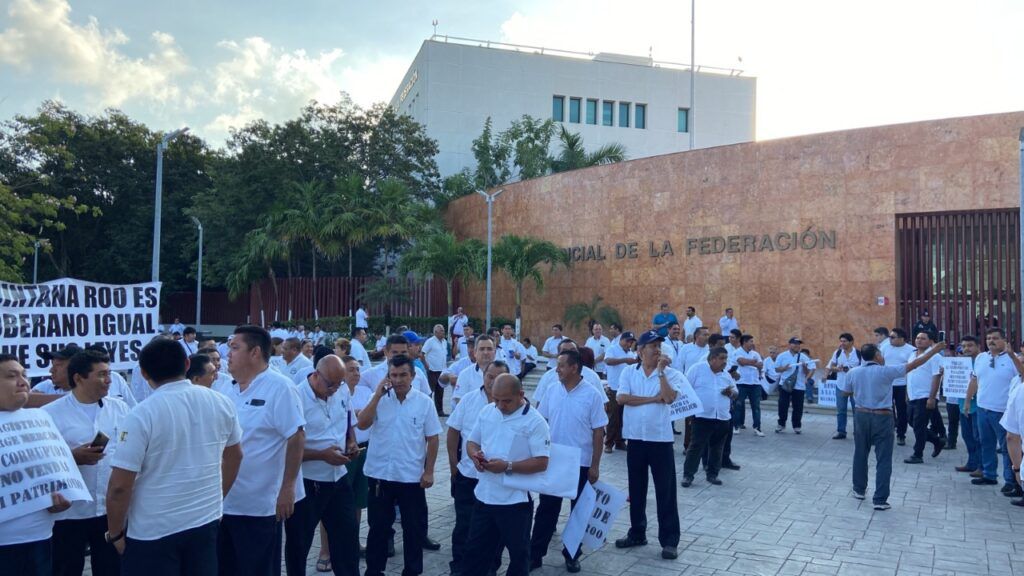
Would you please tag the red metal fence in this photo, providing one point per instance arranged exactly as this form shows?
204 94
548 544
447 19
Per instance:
217 308
964 267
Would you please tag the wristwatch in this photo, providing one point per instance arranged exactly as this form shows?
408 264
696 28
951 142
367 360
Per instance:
111 539
508 468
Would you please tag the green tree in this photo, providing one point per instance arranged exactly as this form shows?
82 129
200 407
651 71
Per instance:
521 257
385 292
22 218
261 250
394 216
443 256
573 155
591 312
529 139
492 155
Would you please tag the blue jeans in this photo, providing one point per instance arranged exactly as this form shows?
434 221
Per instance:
969 432
993 443
750 392
872 431
841 404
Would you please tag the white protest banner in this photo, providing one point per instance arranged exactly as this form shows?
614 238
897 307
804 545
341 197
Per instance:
687 403
40 318
572 534
956 375
608 502
827 393
35 462
560 479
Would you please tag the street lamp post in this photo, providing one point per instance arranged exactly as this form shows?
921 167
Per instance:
35 264
160 147
490 229
199 276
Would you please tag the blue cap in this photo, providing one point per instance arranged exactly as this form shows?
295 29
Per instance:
648 337
627 336
795 340
412 337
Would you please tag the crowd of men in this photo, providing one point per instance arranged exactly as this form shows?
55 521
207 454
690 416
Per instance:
215 453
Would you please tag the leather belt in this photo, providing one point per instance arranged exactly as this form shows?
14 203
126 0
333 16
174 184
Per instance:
874 411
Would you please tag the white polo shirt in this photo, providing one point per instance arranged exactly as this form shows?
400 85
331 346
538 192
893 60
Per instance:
1013 419
141 388
435 352
454 369
398 438
994 379
748 374
78 424
615 372
551 347
675 349
531 355
270 412
919 380
894 356
690 326
727 324
790 360
357 401
463 349
550 379
507 352
470 378
692 354
361 319
373 377
327 425
840 358
519 436
709 386
359 353
573 416
649 422
296 370
175 442
463 419
599 346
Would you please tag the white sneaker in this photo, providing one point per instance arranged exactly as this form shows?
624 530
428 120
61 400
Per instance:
758 433
779 429
796 430
735 431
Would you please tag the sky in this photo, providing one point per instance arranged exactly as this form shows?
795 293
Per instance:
821 65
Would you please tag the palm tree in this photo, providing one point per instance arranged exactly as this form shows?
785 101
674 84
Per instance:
395 215
262 250
349 225
520 257
594 311
445 257
573 155
385 292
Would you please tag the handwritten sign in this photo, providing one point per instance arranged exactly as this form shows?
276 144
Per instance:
827 393
956 375
572 535
35 462
687 403
608 502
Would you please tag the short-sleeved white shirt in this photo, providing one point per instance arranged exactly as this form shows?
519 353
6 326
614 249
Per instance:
615 372
141 388
550 379
690 326
463 419
727 324
297 369
34 526
748 374
573 416
692 354
361 319
507 350
497 434
790 360
1013 419
360 354
470 378
649 422
327 423
358 400
840 358
118 389
456 368
551 347
531 354
709 386
599 346
270 412
398 438
896 355
78 424
373 377
994 380
676 347
175 442
435 352
919 380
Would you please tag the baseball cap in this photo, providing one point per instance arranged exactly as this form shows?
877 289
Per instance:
795 340
62 354
412 337
627 336
648 337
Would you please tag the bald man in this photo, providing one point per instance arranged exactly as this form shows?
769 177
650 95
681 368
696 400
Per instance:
330 445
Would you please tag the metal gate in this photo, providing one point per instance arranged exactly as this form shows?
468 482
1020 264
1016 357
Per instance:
964 267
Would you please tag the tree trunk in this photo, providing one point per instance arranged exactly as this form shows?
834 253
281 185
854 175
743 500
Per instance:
277 293
316 313
349 259
519 307
291 289
448 284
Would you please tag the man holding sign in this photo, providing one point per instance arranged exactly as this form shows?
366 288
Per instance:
576 417
711 426
647 391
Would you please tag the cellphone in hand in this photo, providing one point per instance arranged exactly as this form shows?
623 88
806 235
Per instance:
100 441
942 336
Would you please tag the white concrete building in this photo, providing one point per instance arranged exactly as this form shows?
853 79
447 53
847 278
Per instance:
454 84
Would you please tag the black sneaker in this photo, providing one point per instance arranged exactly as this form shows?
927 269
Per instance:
669 553
391 547
881 506
839 436
630 542
572 566
714 481
984 481
1018 502
730 465
431 544
1014 491
901 441
913 460
939 445
687 481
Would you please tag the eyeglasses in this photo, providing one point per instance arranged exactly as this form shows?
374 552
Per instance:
327 381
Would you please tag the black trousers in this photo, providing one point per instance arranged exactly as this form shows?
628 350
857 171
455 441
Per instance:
796 398
494 527
546 518
921 417
438 390
70 537
953 415
249 545
191 552
333 503
380 506
899 407
26 559
464 501
935 422
659 458
708 435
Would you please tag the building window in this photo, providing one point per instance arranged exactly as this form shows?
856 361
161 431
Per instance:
623 114
591 111
606 112
641 116
682 120
574 110
558 108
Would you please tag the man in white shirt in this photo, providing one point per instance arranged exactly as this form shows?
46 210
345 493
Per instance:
923 391
550 348
994 370
599 344
450 375
691 324
177 456
647 391
25 547
398 345
358 344
1013 422
188 341
531 359
269 481
177 326
509 438
728 323
456 325
896 353
293 362
435 357
511 351
330 444
277 330
793 372
715 389
83 416
317 336
362 319
845 358
464 342
464 473
748 385
471 377
673 346
58 384
576 417
399 465
550 378
882 338
619 358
